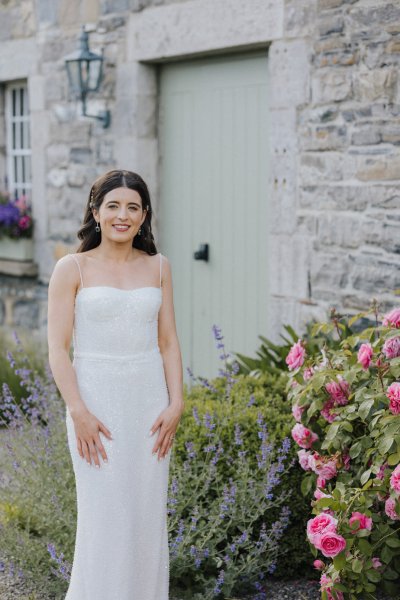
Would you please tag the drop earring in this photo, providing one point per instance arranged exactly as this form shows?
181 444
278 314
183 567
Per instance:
140 231
97 228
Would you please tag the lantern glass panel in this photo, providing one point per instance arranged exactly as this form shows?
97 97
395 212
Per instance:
94 75
73 69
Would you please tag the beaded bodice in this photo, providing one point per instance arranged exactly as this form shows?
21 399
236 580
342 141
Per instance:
114 322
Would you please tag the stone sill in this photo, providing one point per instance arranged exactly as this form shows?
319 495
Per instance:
18 268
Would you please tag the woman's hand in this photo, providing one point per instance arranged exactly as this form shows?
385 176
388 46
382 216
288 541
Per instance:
87 428
168 422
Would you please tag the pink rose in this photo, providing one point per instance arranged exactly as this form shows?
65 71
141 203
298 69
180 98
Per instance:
297 411
319 565
303 437
324 467
364 355
376 563
319 525
390 509
327 410
308 373
338 391
392 318
318 494
304 456
363 521
330 543
321 482
391 348
393 393
296 356
395 480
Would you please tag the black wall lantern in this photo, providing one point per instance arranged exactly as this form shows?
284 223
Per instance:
85 74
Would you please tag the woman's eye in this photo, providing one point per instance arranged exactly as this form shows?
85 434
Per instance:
115 206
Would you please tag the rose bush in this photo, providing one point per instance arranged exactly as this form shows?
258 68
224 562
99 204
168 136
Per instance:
346 404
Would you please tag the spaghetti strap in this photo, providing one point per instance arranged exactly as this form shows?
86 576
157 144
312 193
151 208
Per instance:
77 262
160 267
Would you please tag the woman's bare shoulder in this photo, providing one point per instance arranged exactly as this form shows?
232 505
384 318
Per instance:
66 267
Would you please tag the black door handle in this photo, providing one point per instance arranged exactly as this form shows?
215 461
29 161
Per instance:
201 253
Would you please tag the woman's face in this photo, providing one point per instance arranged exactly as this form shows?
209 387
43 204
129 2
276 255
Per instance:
120 207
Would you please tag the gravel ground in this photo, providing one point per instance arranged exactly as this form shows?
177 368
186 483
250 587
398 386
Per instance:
278 590
298 589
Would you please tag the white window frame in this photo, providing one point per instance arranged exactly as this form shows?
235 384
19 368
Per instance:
18 139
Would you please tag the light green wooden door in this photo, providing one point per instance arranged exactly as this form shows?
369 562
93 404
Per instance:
213 135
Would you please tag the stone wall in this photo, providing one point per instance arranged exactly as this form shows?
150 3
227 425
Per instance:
336 222
335 129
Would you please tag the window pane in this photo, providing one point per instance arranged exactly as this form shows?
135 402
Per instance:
26 141
15 169
28 168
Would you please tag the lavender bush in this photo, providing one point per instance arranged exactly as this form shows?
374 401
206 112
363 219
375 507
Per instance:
224 483
223 486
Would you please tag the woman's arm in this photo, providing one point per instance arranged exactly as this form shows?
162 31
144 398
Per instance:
60 317
61 300
168 340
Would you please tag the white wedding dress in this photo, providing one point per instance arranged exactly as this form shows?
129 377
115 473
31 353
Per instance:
121 546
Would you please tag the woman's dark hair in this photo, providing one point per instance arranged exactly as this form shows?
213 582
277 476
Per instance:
104 184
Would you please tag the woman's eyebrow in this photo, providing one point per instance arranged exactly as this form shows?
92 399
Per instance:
117 201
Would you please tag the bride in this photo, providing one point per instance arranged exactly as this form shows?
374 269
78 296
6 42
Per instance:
123 391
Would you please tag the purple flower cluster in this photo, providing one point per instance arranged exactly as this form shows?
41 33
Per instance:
15 217
64 568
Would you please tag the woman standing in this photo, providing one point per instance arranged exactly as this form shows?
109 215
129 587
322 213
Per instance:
114 296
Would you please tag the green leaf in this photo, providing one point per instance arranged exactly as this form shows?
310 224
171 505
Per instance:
339 561
393 459
356 565
365 476
393 541
332 432
307 485
325 502
386 554
373 575
355 450
385 445
367 485
390 574
347 426
365 407
365 547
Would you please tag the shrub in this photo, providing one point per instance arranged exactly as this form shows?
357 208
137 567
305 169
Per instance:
249 396
347 404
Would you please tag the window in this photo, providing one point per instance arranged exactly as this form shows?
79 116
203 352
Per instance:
18 140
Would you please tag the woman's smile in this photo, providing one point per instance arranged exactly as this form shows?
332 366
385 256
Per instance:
121 227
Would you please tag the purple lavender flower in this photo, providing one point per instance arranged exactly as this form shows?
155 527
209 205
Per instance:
220 581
